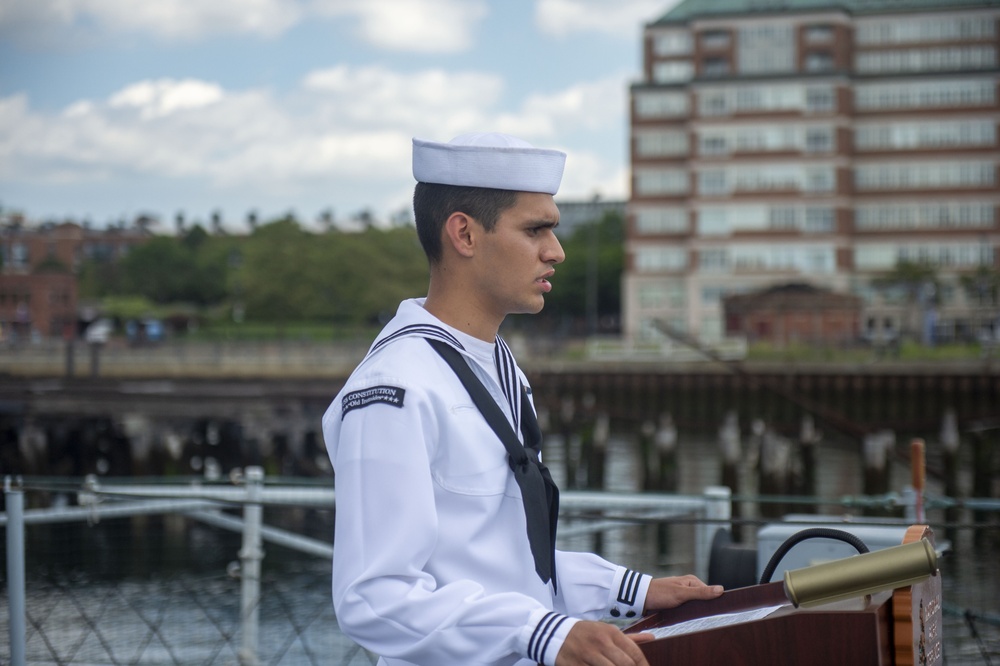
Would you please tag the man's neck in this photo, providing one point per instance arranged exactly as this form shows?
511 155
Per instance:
461 314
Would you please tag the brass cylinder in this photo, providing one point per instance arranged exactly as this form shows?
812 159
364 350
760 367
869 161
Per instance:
857 576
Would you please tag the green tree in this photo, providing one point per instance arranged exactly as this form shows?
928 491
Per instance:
171 270
918 283
982 288
288 273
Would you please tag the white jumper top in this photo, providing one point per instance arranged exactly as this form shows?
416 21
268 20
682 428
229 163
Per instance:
431 561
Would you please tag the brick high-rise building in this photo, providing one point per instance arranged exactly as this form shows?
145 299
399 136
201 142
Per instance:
821 141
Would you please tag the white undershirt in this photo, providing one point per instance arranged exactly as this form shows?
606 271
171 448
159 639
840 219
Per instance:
480 350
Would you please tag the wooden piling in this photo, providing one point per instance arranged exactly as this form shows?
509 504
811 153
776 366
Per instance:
875 452
773 470
918 476
982 476
732 452
950 441
805 482
567 422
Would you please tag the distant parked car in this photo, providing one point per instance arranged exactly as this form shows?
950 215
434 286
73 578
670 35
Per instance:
153 329
98 332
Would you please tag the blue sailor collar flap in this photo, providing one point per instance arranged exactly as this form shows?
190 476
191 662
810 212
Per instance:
510 384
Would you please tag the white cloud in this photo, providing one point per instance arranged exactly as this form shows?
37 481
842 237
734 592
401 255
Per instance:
169 19
430 100
343 131
588 174
620 18
165 96
343 122
428 26
591 105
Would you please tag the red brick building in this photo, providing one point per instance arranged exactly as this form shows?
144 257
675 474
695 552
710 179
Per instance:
38 283
794 313
42 303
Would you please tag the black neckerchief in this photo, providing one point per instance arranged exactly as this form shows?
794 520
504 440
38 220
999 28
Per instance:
539 493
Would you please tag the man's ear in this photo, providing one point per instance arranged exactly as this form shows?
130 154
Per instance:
459 232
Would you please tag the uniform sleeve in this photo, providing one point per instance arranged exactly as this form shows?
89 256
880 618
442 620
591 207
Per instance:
385 532
592 588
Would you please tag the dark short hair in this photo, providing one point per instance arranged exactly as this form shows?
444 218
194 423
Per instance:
433 204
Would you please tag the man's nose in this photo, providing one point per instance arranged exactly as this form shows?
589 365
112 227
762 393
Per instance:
554 252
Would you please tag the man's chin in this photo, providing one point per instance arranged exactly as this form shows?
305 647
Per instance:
531 308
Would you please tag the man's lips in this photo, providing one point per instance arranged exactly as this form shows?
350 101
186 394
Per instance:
544 281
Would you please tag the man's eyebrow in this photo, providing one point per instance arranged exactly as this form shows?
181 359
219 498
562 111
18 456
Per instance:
550 223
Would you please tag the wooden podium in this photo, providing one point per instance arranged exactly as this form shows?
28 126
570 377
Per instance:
897 628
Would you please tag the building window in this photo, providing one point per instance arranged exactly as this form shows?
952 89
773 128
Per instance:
661 295
819 61
940 28
940 134
819 98
922 60
661 143
819 34
920 175
811 259
672 43
713 103
653 259
713 222
819 220
819 139
713 260
649 221
661 104
672 71
715 67
925 94
661 181
651 296
766 48
19 255
714 39
809 220
776 177
712 144
784 218
884 256
927 215
820 179
712 182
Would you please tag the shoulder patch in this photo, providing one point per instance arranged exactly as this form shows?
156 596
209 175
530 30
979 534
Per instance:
388 395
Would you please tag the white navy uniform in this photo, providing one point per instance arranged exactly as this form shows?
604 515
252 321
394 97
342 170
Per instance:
431 560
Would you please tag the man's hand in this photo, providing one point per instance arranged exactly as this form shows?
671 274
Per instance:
591 643
675 590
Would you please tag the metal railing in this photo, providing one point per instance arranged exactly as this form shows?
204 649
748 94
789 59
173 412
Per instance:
590 513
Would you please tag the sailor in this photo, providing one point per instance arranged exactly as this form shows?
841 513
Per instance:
444 540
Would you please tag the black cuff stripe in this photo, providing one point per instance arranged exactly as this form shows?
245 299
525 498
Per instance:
629 589
543 632
552 633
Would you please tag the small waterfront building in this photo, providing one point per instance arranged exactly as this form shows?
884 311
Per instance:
794 313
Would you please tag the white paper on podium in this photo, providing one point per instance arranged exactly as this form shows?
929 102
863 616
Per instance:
712 622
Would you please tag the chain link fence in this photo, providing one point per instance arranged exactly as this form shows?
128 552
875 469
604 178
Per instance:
164 573
169 573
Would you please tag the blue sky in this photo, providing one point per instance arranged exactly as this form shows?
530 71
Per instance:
113 108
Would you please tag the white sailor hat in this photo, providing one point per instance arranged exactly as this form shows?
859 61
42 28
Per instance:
488 159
